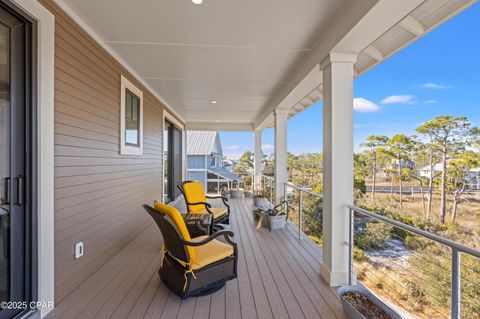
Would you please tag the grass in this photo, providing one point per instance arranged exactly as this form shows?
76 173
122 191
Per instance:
466 229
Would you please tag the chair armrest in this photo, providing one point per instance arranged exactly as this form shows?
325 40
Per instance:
207 205
215 197
224 200
225 233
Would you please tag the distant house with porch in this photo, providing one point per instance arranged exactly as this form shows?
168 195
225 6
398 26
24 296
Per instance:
205 161
472 178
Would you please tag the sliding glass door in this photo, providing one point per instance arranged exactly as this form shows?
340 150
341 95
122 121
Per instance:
173 161
15 163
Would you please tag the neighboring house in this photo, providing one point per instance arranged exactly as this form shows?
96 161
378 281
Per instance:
426 171
205 161
229 163
393 167
472 178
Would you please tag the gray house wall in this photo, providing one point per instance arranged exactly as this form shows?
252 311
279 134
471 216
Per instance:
197 176
196 161
219 160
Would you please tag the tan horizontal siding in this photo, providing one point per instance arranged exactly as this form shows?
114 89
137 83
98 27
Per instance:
98 192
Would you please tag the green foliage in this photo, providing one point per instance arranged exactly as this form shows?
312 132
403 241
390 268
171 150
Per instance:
305 169
359 255
374 236
431 264
312 216
245 162
360 188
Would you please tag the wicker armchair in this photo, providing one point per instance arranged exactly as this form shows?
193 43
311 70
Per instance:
192 267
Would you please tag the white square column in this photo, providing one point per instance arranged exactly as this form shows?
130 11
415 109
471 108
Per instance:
338 76
281 119
257 166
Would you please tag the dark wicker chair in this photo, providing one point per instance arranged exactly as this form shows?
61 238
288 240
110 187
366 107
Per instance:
196 202
192 267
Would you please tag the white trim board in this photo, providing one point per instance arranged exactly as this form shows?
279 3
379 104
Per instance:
172 119
125 149
45 126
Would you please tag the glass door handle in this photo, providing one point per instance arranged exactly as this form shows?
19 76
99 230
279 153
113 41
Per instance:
20 190
6 196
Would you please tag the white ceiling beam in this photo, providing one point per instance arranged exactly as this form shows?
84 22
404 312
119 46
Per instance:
219 126
413 25
383 15
374 53
307 101
299 107
361 23
317 93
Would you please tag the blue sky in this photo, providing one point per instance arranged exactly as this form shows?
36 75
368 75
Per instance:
438 74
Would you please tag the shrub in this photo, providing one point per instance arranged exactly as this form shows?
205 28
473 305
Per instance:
374 236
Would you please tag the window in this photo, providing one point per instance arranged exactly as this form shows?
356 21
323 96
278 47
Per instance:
213 161
173 155
131 119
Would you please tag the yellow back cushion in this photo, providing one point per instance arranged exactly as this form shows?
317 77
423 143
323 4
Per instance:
177 218
194 193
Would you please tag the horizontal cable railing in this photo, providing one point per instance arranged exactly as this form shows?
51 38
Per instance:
268 186
420 272
301 200
416 269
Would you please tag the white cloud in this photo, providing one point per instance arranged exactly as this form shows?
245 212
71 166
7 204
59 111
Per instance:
363 105
267 147
435 86
398 99
232 147
430 102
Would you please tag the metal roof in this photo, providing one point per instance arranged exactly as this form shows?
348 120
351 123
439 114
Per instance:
200 142
222 172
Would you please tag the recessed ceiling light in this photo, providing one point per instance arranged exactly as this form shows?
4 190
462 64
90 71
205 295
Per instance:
218 121
197 1
214 102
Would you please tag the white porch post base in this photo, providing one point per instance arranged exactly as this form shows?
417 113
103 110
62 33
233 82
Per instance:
334 279
281 118
337 165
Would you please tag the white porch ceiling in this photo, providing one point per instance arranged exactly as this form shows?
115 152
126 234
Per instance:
236 52
250 56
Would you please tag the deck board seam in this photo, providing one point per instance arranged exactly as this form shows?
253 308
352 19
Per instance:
256 236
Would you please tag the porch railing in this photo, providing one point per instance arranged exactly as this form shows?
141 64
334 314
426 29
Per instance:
295 196
415 269
268 186
425 270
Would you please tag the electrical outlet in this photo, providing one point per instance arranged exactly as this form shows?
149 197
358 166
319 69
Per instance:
78 250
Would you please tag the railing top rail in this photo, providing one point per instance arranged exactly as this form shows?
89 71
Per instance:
442 240
302 189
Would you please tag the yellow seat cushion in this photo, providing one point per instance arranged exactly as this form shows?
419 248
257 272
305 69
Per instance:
217 212
177 218
209 253
194 193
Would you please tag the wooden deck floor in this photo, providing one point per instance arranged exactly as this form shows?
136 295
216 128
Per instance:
277 278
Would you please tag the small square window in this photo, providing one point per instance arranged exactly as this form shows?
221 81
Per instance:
131 121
